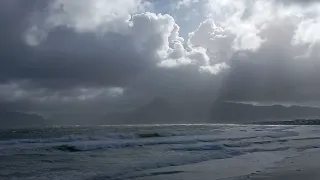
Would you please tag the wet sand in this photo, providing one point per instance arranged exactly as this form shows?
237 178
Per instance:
256 166
239 166
303 167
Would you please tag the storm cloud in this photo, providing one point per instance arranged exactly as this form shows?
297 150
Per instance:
60 56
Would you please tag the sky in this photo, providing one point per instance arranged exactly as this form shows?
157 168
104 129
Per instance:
98 56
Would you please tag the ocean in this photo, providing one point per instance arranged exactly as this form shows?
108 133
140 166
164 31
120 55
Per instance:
128 152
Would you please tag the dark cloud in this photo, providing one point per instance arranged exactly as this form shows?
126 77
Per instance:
74 67
66 61
39 78
278 71
282 81
72 61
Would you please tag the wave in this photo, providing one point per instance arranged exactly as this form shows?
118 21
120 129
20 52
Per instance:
177 144
137 151
51 140
212 153
108 136
176 160
67 148
206 147
171 138
191 144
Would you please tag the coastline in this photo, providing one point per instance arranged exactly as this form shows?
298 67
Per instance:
304 166
255 166
218 169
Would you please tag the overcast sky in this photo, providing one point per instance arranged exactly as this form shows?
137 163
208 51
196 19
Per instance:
108 55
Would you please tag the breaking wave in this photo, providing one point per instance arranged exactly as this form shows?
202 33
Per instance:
133 150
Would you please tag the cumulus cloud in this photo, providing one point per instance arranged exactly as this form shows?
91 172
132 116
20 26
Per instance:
34 36
102 53
155 34
307 32
215 69
266 44
98 16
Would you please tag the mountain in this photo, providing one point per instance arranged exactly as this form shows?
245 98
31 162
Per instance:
162 111
228 112
19 119
292 122
157 110
78 118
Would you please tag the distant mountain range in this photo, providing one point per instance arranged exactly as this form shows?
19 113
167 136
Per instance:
19 119
223 112
156 111
160 111
293 122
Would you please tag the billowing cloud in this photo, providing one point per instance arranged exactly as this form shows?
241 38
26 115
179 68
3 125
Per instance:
148 33
307 32
98 16
103 55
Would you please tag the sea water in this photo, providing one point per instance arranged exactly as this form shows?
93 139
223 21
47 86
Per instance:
122 152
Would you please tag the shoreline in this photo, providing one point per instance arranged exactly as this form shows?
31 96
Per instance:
217 169
303 166
255 166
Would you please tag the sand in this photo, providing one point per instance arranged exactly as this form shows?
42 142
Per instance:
255 166
303 167
216 169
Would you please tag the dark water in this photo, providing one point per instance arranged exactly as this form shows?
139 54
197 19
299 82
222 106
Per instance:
123 152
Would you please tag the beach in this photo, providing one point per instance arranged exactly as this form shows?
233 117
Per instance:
303 167
256 166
